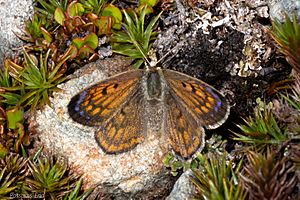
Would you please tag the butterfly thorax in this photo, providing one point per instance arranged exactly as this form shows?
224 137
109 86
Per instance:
154 85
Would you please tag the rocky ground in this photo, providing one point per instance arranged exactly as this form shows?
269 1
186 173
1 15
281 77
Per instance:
224 43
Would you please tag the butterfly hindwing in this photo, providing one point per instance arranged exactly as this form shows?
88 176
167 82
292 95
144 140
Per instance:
96 104
125 129
185 133
205 103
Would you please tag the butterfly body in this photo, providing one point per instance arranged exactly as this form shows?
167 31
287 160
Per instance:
118 106
154 85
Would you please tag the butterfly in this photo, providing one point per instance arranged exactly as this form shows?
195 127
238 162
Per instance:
117 106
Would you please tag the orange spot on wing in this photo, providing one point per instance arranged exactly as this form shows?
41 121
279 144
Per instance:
85 103
118 136
193 147
113 148
95 111
186 136
181 122
99 102
105 112
198 111
211 100
125 146
111 88
190 100
188 87
208 105
103 142
117 102
112 132
92 91
194 101
90 107
105 102
97 96
204 109
201 94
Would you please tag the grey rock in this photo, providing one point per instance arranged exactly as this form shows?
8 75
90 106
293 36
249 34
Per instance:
183 189
13 15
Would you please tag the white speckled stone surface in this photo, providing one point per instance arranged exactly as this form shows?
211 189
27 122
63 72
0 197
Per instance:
13 15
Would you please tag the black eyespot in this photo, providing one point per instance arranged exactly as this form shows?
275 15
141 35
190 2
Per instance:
104 91
193 88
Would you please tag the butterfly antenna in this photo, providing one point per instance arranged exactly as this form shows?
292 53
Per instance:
164 56
171 50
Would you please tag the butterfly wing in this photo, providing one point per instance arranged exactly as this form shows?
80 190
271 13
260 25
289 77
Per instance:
190 105
115 106
124 130
97 104
205 104
185 133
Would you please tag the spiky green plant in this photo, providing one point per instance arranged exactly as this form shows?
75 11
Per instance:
218 179
293 99
287 36
262 129
50 177
46 178
269 176
6 183
13 172
36 79
6 81
76 194
49 6
16 164
93 6
36 31
135 42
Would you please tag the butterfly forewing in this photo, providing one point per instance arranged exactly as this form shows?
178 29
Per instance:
206 104
98 103
185 134
125 129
